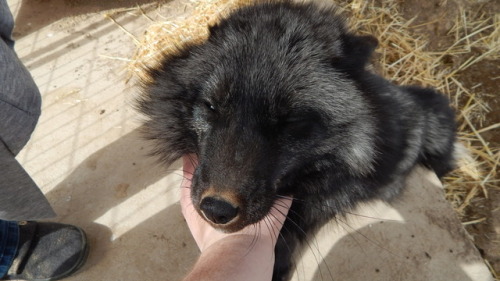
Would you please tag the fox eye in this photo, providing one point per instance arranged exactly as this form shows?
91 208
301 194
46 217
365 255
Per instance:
209 106
298 127
301 125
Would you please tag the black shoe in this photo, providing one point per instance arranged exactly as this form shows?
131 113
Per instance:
48 251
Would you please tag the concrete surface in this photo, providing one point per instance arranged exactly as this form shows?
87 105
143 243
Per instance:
88 158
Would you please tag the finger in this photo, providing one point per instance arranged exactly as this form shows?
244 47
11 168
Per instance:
280 209
189 163
276 217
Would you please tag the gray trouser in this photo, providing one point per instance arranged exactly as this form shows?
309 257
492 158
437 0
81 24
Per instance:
20 104
19 96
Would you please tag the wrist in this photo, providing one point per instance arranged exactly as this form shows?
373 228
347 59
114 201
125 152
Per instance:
240 257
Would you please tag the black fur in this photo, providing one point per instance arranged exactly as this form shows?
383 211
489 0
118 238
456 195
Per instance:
278 102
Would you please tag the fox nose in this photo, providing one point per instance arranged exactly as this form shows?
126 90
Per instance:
218 210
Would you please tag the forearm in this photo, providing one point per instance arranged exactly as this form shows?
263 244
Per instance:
238 257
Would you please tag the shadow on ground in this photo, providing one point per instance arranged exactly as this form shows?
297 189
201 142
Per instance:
112 186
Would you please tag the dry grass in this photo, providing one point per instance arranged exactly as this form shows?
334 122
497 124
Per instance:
168 36
404 59
401 57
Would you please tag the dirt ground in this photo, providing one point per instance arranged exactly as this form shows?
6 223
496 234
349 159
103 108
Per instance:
484 77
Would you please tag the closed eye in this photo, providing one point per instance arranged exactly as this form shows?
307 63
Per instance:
299 127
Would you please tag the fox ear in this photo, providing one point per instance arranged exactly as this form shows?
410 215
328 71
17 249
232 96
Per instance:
358 50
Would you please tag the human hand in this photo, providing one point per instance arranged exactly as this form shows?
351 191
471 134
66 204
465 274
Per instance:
205 235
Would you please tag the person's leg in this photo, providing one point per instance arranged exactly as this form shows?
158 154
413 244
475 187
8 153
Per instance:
9 239
10 68
6 23
20 100
24 245
20 106
9 230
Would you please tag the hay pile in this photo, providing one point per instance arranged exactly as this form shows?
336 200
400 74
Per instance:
166 37
401 57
